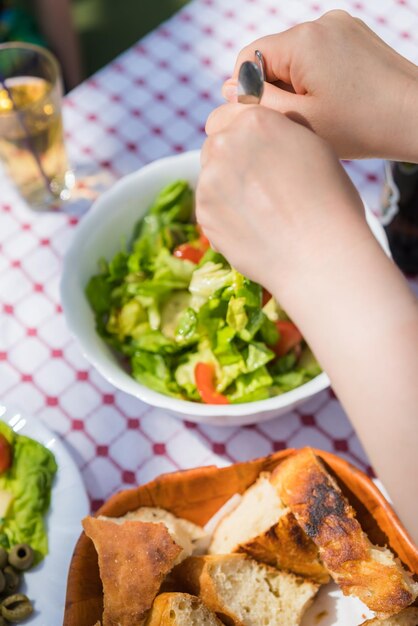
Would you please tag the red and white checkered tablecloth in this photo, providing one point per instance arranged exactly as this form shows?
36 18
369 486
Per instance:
152 101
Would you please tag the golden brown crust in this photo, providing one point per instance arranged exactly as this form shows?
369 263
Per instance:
407 617
134 557
166 602
226 583
194 575
314 497
286 546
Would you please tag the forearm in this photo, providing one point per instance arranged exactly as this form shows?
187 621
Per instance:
363 326
56 22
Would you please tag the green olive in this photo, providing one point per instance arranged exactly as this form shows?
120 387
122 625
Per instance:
12 579
16 608
21 556
4 558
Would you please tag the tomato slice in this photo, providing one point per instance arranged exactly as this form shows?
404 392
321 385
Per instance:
290 337
194 250
204 242
188 252
266 297
5 454
204 374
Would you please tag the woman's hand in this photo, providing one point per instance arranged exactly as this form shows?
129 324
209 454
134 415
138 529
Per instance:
273 198
339 78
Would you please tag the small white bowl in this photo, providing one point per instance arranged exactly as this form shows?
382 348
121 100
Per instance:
109 221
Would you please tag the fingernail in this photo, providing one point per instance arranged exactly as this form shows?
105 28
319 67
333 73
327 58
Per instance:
229 91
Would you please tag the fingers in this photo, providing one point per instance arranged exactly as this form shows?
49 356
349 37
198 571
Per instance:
230 89
276 49
223 116
273 98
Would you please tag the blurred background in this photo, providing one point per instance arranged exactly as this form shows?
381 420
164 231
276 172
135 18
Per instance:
84 34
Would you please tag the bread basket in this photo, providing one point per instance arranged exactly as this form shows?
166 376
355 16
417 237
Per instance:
198 494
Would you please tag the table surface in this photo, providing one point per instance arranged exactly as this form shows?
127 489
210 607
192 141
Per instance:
150 102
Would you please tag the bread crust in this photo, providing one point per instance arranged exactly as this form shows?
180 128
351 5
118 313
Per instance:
262 527
134 558
407 617
165 602
195 575
286 546
358 567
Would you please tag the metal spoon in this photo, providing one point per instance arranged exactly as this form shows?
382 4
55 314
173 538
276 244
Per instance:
251 78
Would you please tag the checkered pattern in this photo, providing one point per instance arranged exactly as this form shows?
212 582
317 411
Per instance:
151 102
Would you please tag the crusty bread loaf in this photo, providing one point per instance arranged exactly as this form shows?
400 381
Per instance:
134 558
244 592
265 529
361 569
407 617
180 609
192 538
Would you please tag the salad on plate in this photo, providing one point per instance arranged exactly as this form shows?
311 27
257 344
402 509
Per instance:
186 322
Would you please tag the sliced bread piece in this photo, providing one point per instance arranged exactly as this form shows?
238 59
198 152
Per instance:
244 592
180 609
134 558
361 569
265 529
192 538
407 617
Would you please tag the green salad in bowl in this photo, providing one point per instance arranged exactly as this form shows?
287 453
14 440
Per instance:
187 323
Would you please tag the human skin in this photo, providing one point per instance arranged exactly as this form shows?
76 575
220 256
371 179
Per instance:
55 21
274 199
339 78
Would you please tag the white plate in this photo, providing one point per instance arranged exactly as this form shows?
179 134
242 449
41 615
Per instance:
331 608
46 584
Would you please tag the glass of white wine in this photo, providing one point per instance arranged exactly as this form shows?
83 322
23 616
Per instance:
31 131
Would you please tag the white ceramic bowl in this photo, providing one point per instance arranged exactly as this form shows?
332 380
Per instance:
108 222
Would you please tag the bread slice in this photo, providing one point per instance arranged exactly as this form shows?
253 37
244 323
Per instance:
407 617
192 538
134 558
265 529
361 569
243 592
180 609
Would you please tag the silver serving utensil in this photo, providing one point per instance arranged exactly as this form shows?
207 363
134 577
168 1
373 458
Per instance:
261 65
251 78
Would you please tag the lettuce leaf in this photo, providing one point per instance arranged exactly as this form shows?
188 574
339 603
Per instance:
153 371
249 383
98 292
175 201
257 355
207 280
186 325
30 480
169 266
236 316
123 322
